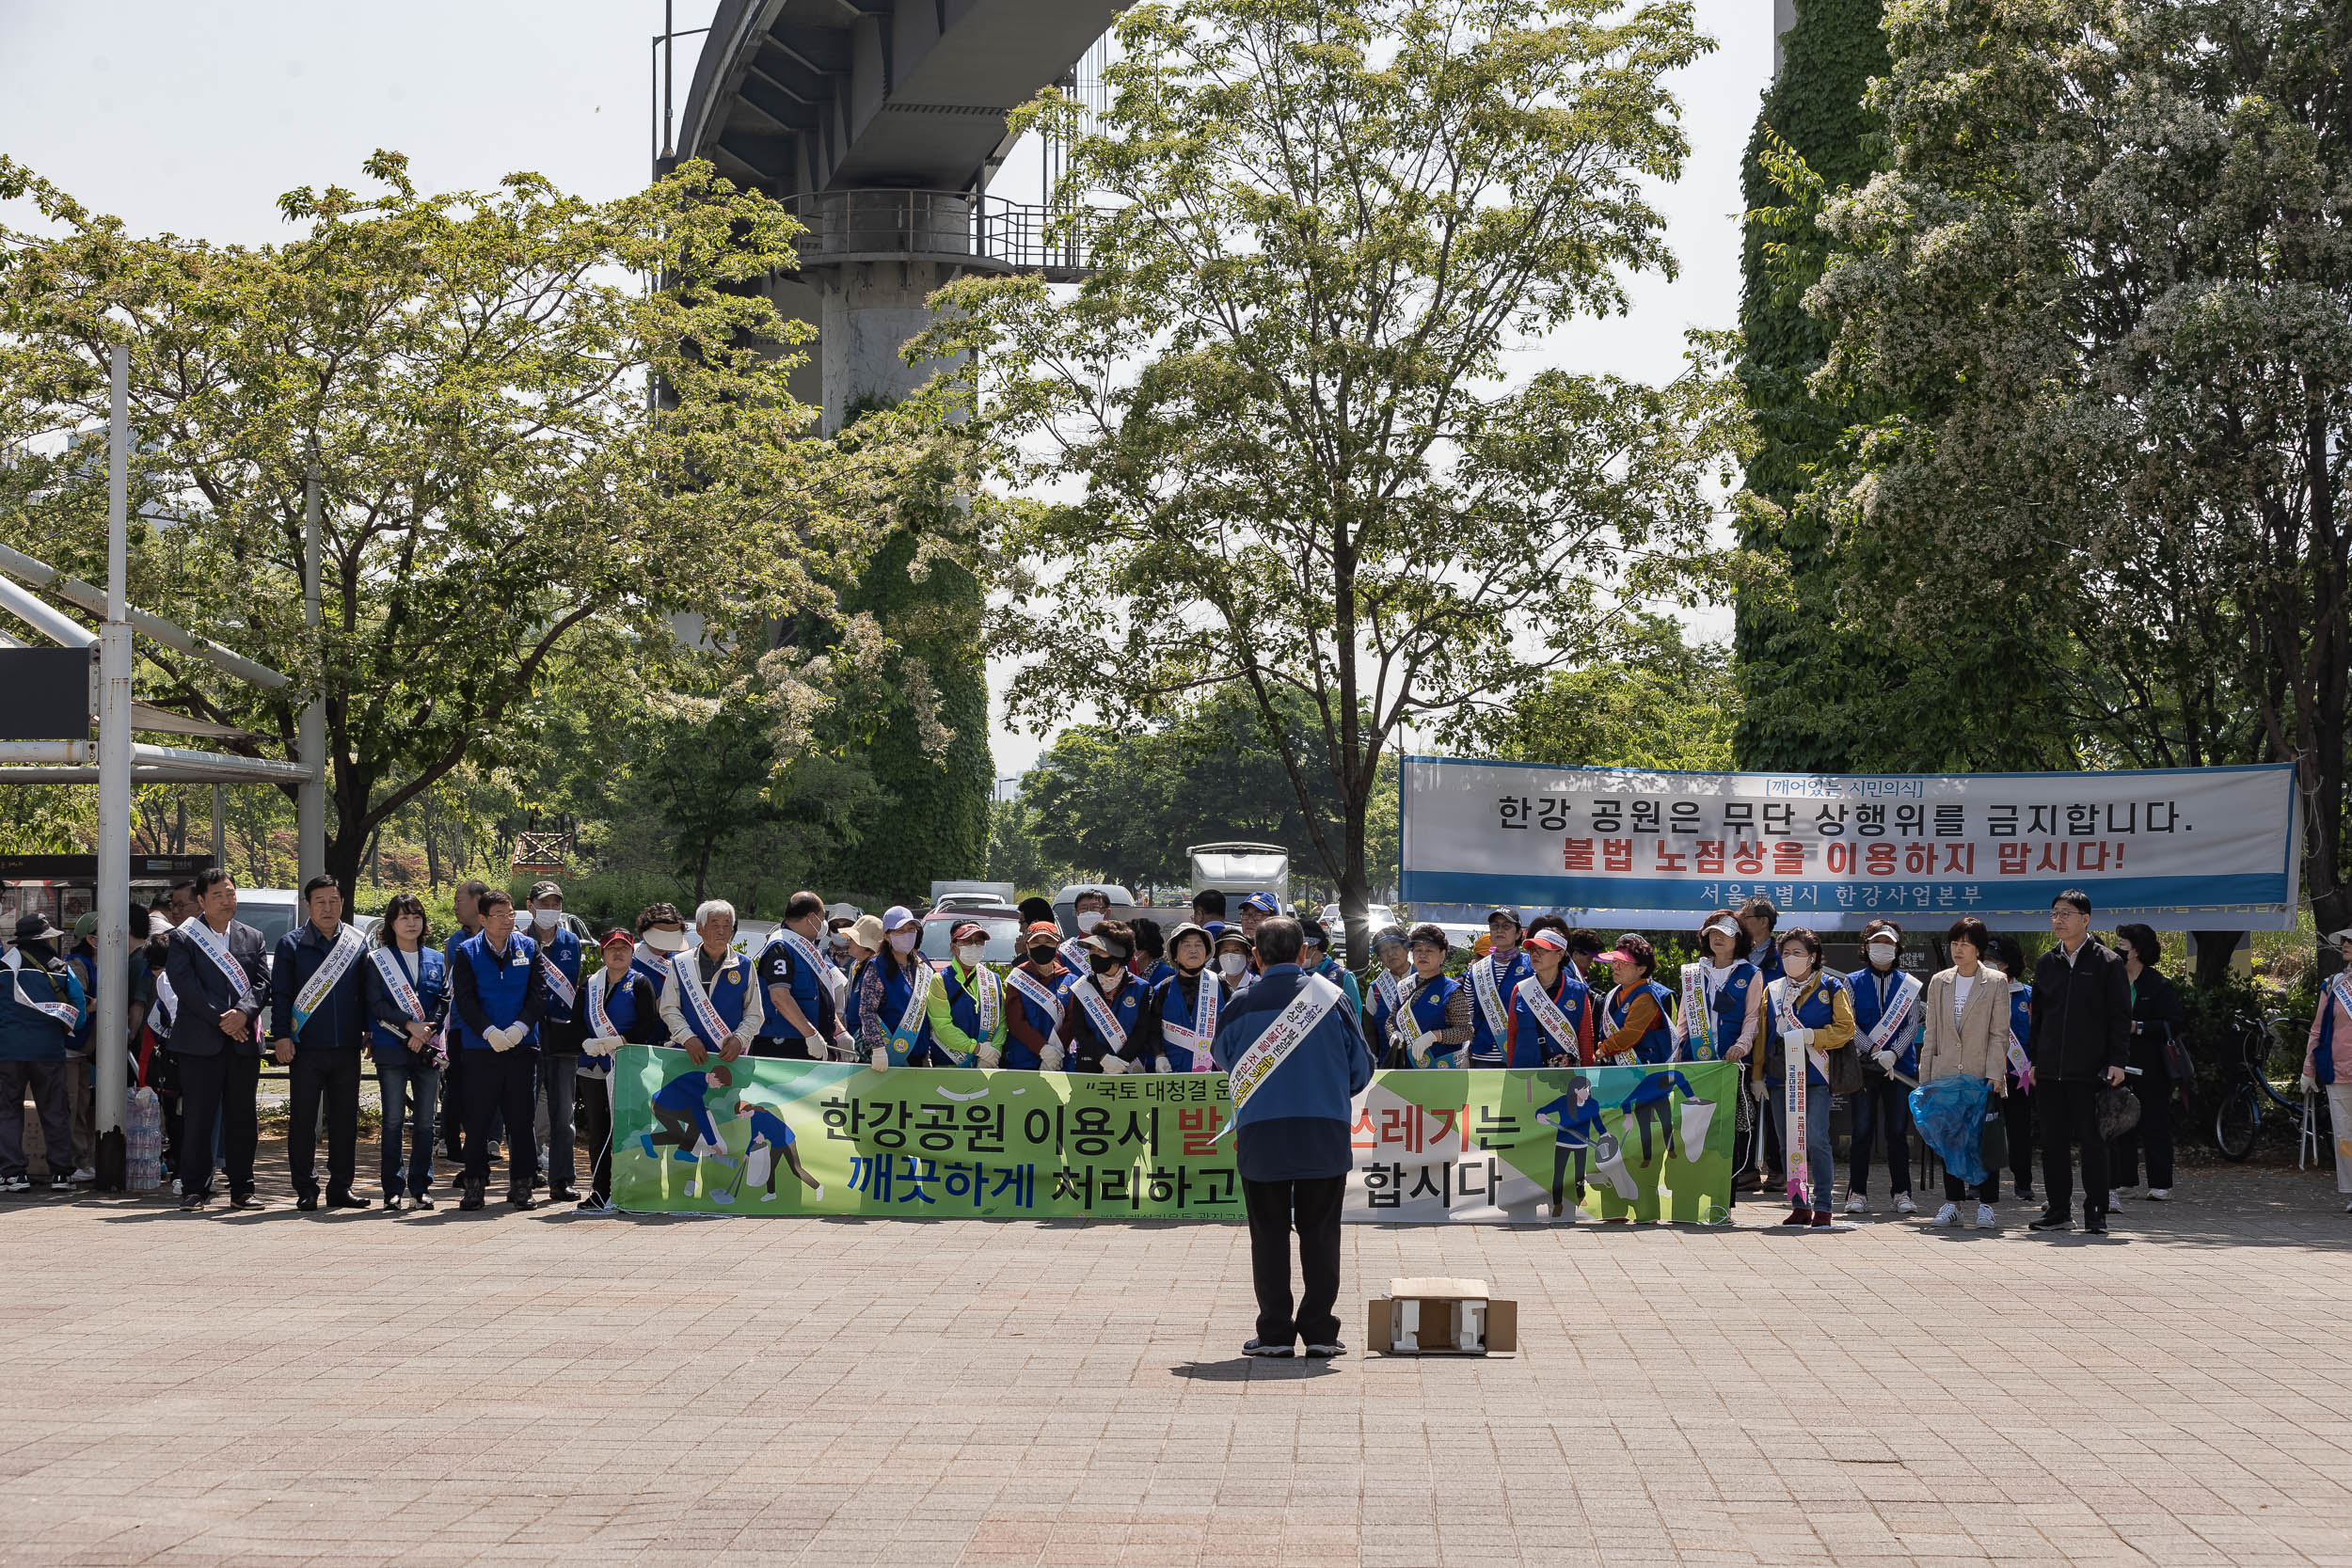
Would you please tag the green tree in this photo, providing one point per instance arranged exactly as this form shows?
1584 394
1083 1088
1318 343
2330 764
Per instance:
2103 294
1275 418
1667 706
468 373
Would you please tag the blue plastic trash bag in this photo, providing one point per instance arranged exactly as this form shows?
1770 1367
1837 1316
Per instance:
1949 1114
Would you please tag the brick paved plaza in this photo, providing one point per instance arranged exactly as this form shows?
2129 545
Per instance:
517 1390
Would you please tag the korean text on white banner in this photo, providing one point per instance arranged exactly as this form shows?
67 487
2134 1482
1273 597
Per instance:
2194 849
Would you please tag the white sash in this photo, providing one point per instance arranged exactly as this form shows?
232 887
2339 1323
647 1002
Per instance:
910 1027
1897 1014
2339 986
1316 997
1098 1013
2019 1063
1039 993
1698 1019
395 976
1555 1022
340 958
1202 1034
1404 1028
1785 1011
215 948
1387 990
599 1021
1792 1090
1489 995
169 999
1074 955
804 951
559 983
988 999
59 1008
701 1017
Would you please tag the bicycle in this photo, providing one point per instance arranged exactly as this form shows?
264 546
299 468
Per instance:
2238 1118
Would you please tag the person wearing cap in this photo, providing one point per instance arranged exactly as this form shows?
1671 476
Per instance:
1888 1026
1636 1021
1034 1003
1179 1027
1720 1018
1303 1064
1315 958
498 992
618 1006
406 983
796 976
1551 1011
893 1027
319 1027
1256 909
967 1007
1235 956
1103 1009
1433 1021
218 972
2331 1025
561 1031
864 940
662 935
1807 1010
1391 971
1491 981
709 997
39 1007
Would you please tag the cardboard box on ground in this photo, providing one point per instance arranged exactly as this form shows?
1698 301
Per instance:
1441 1317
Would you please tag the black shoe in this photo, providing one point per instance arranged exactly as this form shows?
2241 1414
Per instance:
522 1200
1325 1351
246 1200
562 1194
2094 1225
306 1202
394 1203
473 1198
2051 1222
2025 1192
1259 1347
420 1200
346 1200
194 1201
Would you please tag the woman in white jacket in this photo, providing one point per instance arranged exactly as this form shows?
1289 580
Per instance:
1965 1014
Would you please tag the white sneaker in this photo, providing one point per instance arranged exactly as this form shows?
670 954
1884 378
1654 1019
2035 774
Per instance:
767 1198
815 1193
690 1189
84 1174
1947 1216
2159 1194
1857 1203
2116 1196
1985 1219
1903 1204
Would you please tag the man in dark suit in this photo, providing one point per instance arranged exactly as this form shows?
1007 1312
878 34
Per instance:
217 973
2082 1034
1291 1135
318 1018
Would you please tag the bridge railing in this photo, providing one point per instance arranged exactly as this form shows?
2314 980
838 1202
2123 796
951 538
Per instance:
866 223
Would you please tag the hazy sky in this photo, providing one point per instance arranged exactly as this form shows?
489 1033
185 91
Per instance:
191 118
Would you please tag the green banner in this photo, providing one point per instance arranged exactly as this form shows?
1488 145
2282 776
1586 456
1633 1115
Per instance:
764 1136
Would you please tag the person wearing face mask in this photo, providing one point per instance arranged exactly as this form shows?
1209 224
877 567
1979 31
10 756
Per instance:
1637 1015
1722 1013
464 903
1432 1022
559 1033
618 1006
498 993
1087 910
1886 1019
2007 958
1033 1009
1391 971
1103 1009
1492 979
1315 958
1966 1019
1551 1010
967 1007
709 998
41 1003
894 997
1233 953
798 980
1807 1014
1179 1027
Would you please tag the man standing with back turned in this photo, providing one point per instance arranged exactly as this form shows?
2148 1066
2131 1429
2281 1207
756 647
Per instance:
2082 1033
1296 1062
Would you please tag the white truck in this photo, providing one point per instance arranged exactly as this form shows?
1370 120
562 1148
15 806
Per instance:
1240 870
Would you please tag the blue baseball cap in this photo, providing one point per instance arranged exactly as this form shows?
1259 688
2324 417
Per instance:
895 916
1261 902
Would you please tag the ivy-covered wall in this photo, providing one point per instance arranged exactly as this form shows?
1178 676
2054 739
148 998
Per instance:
1806 693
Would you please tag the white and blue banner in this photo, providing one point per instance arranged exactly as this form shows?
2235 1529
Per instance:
2194 849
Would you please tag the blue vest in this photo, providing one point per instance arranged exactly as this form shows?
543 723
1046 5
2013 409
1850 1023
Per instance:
1428 1010
501 988
963 1008
1659 1044
84 967
563 957
1126 1007
1177 1009
620 1007
1866 985
1530 1047
897 984
1016 1054
728 990
1819 1012
1730 1010
1487 1040
431 984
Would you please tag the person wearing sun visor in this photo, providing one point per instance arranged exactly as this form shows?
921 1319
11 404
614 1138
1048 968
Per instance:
966 1007
1033 1003
1104 1008
1180 1021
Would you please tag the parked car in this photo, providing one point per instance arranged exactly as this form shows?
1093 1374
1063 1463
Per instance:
1002 925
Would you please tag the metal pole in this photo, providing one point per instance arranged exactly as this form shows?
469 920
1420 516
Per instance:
220 825
110 1043
310 799
669 73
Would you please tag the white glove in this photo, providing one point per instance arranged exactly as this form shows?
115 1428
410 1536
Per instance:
1419 1050
1114 1065
1050 1058
1798 1039
502 1039
991 1057
1885 1060
881 1060
845 1045
1159 1064
2311 1084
